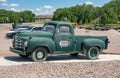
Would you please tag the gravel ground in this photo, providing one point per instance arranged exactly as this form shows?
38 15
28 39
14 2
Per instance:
63 70
16 60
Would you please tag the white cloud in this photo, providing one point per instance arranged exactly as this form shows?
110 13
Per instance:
13 5
4 4
38 9
13 9
22 9
88 3
3 0
48 7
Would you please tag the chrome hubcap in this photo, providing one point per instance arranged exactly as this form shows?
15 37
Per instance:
40 54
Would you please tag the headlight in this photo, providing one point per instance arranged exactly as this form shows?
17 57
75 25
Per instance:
9 33
25 43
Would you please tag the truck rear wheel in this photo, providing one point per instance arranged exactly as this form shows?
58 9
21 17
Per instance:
93 53
39 54
74 54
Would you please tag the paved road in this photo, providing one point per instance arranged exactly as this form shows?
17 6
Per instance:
16 60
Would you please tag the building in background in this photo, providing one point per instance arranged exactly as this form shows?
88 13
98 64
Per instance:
43 17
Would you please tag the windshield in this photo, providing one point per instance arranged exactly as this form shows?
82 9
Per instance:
49 27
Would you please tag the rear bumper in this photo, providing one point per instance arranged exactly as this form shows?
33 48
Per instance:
17 51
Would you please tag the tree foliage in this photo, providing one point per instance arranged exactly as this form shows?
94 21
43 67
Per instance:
11 16
83 14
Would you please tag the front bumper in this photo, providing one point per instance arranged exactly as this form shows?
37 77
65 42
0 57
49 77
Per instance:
17 51
9 36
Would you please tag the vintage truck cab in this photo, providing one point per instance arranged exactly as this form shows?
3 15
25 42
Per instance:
57 38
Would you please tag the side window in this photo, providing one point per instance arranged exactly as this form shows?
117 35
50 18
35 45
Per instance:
63 29
49 28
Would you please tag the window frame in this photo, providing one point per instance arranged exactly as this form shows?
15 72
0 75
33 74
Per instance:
63 25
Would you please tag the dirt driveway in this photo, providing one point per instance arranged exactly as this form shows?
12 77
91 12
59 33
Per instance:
114 37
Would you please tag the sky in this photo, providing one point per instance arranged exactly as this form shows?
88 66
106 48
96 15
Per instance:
45 6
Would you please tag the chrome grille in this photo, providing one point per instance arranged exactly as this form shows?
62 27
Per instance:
18 44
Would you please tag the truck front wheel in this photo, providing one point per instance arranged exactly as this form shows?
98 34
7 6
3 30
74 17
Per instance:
93 53
39 54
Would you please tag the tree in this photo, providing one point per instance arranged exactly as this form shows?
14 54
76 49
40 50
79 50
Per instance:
79 13
103 20
27 16
11 16
83 14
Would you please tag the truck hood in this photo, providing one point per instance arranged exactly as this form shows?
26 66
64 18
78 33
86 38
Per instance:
10 32
36 34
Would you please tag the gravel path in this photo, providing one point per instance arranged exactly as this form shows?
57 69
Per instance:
107 66
109 69
16 60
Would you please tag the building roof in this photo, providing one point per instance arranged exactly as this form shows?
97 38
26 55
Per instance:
44 16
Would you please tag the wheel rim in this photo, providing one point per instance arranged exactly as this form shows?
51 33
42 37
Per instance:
93 53
39 54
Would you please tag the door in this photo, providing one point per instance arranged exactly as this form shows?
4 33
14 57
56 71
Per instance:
64 39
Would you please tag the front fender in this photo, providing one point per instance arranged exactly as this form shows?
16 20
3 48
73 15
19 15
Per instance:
37 42
87 43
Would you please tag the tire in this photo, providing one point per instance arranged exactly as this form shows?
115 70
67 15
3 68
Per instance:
74 54
39 54
93 53
23 56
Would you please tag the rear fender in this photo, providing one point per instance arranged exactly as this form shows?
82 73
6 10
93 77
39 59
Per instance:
87 43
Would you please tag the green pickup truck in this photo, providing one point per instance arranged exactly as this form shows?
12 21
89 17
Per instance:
57 38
